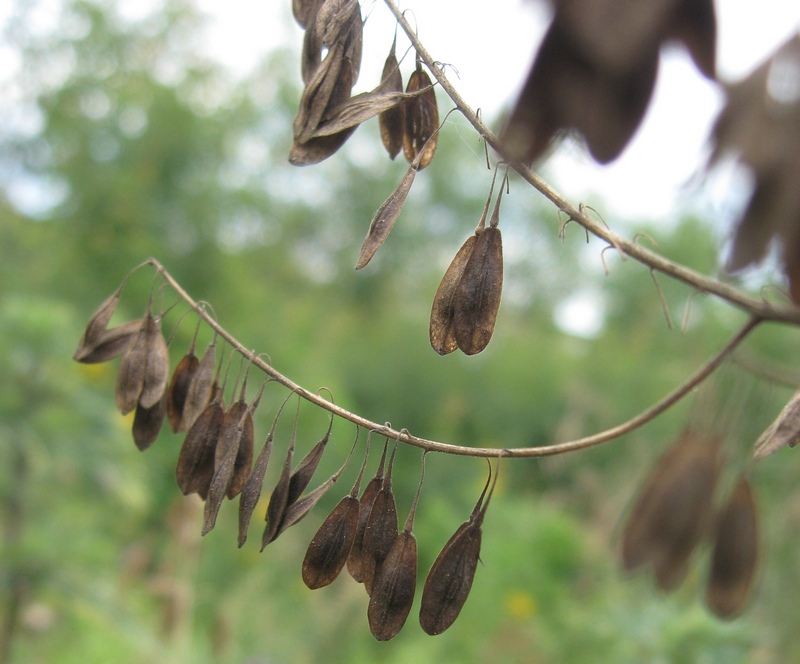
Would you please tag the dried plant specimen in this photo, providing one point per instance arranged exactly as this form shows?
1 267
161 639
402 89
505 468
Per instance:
144 369
442 330
783 432
450 578
330 547
381 530
196 459
392 121
396 580
674 510
356 557
111 343
199 392
422 119
734 558
97 325
178 388
147 423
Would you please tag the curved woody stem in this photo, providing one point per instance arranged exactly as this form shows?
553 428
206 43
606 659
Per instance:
447 448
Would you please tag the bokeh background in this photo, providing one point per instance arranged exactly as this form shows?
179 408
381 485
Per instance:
124 138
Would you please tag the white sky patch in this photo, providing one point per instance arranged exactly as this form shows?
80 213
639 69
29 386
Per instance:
582 314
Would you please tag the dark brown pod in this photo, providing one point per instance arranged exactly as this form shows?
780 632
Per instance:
422 119
393 591
380 531
355 559
476 298
156 372
110 344
196 459
674 510
147 423
328 551
130 375
200 391
734 559
179 388
97 326
442 330
450 578
392 121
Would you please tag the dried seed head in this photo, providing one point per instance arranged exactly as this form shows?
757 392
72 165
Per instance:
132 367
97 326
394 587
147 423
392 121
179 388
199 392
156 371
452 573
328 551
110 344
734 559
422 119
196 459
673 511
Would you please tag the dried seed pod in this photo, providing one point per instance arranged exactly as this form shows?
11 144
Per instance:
179 385
156 372
421 118
196 459
356 557
199 392
452 573
251 491
305 11
674 510
130 375
783 432
381 530
302 474
279 499
392 121
442 325
147 423
110 344
396 580
476 298
97 325
330 547
735 556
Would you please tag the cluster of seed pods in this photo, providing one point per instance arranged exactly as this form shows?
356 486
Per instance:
216 461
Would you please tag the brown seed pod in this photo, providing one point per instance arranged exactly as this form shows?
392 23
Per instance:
783 432
450 578
156 372
111 343
381 530
396 579
179 385
392 121
147 423
356 557
196 459
674 510
279 499
130 375
97 325
421 118
734 559
199 392
251 491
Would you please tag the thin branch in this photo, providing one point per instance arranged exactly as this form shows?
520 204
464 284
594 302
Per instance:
447 448
754 306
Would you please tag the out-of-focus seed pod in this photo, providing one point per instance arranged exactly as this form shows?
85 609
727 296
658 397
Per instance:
392 121
422 119
97 326
734 558
147 423
111 343
199 392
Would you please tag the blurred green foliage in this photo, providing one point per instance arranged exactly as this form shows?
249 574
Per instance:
146 147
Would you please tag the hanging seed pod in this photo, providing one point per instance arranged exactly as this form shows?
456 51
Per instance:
674 510
442 329
783 432
199 392
301 477
381 530
356 557
330 547
147 423
450 578
130 375
279 499
422 119
476 298
734 559
110 344
97 325
305 11
392 121
196 459
179 385
396 580
251 491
